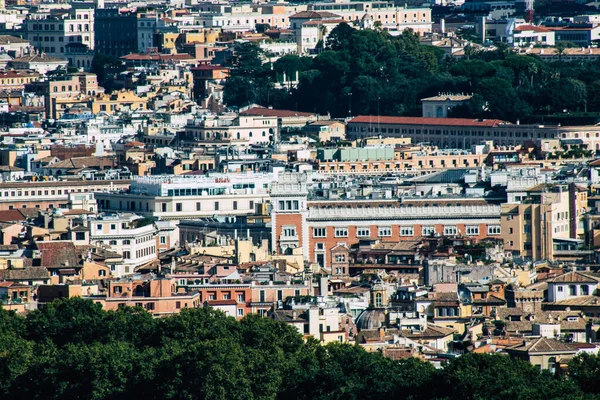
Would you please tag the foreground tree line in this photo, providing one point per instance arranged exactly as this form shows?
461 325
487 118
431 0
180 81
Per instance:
72 349
371 72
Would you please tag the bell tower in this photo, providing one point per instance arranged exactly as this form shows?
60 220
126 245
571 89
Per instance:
288 214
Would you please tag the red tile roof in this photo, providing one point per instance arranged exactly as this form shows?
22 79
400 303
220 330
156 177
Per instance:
269 112
230 302
324 21
314 15
58 254
11 216
532 28
373 119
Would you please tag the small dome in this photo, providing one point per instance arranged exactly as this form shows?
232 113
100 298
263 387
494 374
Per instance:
371 319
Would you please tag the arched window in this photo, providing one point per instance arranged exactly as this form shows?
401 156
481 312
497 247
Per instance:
439 112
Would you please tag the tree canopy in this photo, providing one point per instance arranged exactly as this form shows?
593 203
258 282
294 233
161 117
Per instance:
372 72
72 349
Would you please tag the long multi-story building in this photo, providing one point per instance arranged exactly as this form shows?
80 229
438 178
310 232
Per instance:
463 133
51 31
132 236
16 80
317 226
245 17
52 194
224 131
191 196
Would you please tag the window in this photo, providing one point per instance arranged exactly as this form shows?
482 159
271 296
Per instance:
113 227
240 312
216 206
235 205
385 231
319 232
560 289
164 207
99 227
289 231
493 229
178 206
472 230
572 290
126 255
79 235
407 231
340 258
163 240
178 305
341 232
585 290
450 230
363 232
240 298
198 206
428 230
378 300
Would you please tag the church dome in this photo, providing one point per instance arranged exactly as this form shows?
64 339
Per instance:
371 319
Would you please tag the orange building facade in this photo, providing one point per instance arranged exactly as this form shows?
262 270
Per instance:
319 226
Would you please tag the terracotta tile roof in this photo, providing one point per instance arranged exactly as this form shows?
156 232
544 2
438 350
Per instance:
324 21
432 331
58 254
543 345
36 58
288 315
352 290
18 74
525 324
230 302
314 15
574 277
578 301
83 162
364 119
533 28
8 39
11 216
25 274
